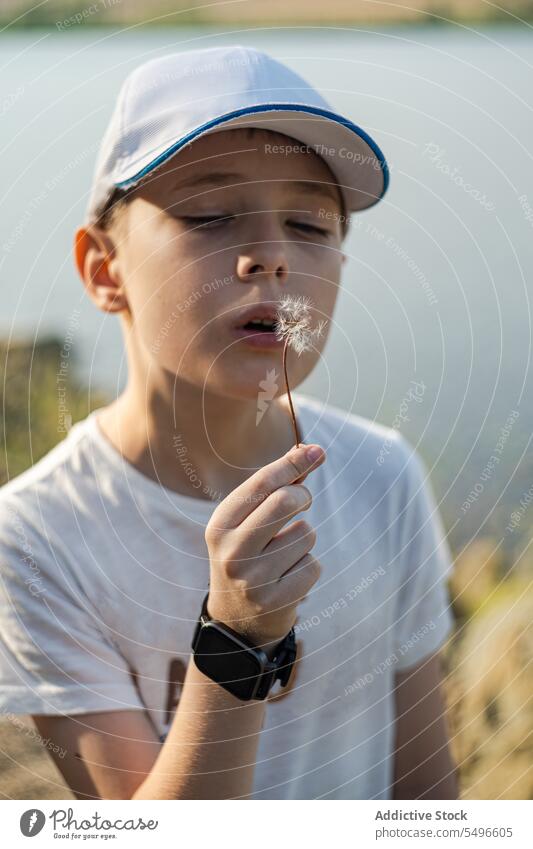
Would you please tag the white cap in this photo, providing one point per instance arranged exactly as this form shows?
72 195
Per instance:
166 103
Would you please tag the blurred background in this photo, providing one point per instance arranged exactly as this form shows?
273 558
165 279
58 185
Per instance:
436 289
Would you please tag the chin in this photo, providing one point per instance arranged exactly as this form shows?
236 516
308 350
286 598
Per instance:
246 390
264 381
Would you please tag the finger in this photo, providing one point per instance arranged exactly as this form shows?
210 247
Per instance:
294 465
284 550
295 583
258 529
301 575
288 542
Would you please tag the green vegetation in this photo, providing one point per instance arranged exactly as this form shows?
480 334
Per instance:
21 13
40 399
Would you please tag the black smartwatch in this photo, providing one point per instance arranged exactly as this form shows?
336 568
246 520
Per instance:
231 660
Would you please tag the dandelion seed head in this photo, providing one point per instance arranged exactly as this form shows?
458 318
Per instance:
293 323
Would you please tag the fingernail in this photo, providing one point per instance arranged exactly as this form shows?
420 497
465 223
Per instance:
313 452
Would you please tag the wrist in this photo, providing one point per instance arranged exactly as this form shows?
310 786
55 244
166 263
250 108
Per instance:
268 646
246 667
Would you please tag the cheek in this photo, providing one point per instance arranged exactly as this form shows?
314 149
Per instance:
323 262
157 327
160 292
323 284
171 330
176 325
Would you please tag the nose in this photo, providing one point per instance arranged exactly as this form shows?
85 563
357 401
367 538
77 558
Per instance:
265 259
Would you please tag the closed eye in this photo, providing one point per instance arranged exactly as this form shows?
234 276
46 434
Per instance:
309 228
205 221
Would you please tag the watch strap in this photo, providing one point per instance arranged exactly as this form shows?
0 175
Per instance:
279 666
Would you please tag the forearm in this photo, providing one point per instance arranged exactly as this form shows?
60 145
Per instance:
211 746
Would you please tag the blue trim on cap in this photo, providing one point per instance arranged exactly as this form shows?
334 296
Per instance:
270 107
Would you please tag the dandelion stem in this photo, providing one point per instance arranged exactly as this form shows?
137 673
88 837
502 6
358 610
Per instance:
293 325
293 417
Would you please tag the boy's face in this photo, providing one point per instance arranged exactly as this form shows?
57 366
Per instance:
227 223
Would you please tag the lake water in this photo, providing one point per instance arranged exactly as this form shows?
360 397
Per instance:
438 286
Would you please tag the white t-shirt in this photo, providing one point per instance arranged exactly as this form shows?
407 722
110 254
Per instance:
103 572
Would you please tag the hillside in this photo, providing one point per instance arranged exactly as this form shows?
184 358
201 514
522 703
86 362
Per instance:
66 14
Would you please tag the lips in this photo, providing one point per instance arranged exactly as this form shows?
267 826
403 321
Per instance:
255 335
256 312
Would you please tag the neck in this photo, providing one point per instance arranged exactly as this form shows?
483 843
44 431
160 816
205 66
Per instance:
194 442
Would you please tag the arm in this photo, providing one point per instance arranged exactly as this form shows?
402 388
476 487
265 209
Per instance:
118 755
423 767
210 750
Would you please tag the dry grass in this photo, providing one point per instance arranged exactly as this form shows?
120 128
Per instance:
26 767
490 684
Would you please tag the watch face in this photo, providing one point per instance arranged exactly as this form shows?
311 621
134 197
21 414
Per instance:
218 656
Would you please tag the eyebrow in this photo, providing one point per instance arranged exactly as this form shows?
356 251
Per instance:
212 179
309 187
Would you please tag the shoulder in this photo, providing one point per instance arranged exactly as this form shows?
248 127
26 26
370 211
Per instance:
352 440
29 501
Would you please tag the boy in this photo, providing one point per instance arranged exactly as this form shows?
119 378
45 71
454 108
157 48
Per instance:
224 182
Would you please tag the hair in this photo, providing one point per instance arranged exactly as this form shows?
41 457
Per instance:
116 202
120 197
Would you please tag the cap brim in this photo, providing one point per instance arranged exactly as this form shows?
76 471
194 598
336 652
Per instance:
353 156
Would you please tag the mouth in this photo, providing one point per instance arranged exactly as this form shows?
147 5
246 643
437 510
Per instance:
257 326
261 325
259 317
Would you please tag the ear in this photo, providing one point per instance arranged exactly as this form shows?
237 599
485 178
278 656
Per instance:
98 267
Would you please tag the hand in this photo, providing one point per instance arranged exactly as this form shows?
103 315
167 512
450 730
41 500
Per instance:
258 572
